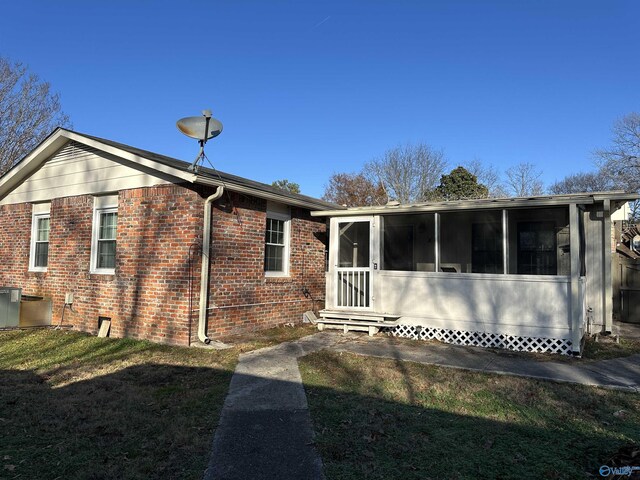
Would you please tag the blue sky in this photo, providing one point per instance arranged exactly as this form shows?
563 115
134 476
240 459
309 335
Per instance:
305 89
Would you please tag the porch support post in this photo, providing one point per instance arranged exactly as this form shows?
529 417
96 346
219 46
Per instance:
331 298
437 240
607 295
505 241
576 303
376 257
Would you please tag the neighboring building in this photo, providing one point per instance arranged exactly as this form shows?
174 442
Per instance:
118 233
530 274
626 267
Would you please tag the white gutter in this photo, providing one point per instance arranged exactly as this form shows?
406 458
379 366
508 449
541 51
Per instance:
204 271
286 199
453 206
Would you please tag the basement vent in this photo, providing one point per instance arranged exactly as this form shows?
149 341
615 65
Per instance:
102 319
483 339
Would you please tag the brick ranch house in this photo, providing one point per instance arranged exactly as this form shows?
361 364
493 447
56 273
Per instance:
123 231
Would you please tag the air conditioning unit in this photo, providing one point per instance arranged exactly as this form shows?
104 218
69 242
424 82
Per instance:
10 306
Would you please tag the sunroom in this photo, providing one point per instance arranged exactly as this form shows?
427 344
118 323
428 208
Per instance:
527 274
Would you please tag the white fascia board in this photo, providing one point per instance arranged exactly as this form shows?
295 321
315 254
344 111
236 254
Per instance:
31 163
186 176
453 207
618 197
259 193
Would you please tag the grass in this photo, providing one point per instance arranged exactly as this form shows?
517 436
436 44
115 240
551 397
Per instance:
378 419
269 337
606 348
73 406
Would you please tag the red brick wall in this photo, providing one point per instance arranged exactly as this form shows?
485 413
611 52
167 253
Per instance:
15 234
158 245
149 294
241 297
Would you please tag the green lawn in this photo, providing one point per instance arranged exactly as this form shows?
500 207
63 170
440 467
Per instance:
73 406
381 419
76 406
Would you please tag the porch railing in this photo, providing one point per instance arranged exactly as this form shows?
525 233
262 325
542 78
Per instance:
354 287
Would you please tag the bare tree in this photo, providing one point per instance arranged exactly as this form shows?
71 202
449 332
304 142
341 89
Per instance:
408 173
488 176
625 148
621 161
583 182
353 190
523 180
29 111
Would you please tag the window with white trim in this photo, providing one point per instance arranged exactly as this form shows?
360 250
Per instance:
39 257
276 248
103 244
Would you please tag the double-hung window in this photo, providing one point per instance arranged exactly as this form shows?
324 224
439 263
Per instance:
39 257
276 249
103 245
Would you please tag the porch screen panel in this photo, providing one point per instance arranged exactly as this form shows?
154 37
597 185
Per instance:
486 247
354 244
539 241
408 243
471 242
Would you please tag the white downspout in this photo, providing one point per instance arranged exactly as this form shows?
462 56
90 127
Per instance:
204 270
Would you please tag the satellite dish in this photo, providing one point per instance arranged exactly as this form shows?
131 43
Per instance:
202 129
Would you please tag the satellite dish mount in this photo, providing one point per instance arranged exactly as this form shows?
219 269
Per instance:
202 129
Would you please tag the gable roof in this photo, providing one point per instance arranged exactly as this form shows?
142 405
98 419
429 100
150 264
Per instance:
174 168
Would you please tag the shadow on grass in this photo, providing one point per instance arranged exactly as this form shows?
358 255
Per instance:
157 421
146 421
374 420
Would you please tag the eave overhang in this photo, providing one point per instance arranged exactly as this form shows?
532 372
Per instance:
618 197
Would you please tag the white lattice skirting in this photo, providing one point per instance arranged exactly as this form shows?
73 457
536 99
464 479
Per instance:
483 339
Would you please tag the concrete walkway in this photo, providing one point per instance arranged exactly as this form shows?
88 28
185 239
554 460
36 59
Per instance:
265 430
620 373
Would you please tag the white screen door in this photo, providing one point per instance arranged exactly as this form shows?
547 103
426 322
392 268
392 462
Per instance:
354 264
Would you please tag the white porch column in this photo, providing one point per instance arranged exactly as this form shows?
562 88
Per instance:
607 295
331 300
576 302
376 258
505 241
436 222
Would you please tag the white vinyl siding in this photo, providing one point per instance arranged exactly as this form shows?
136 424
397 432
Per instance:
80 170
